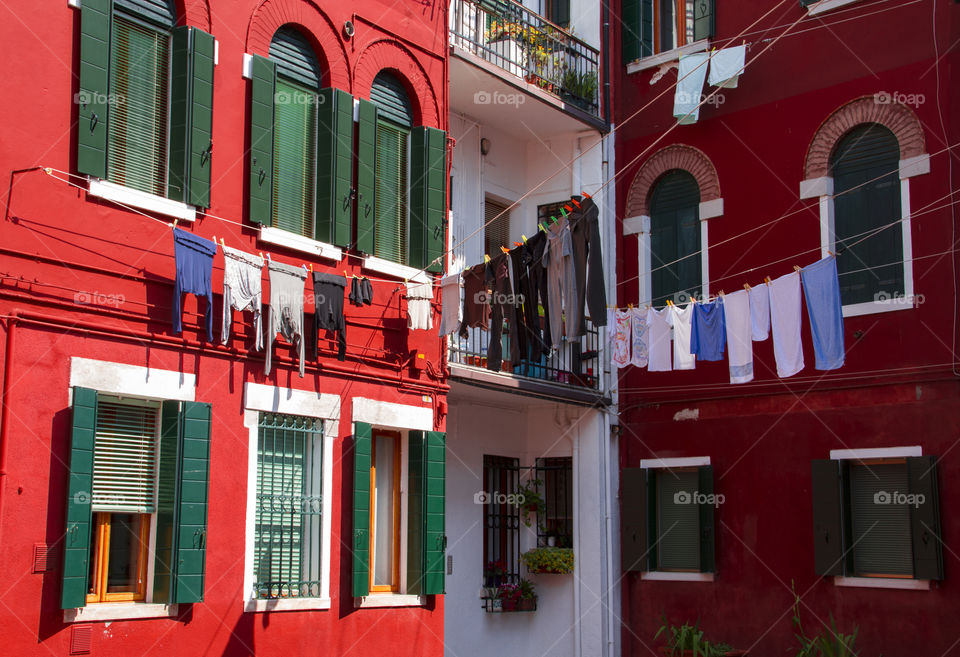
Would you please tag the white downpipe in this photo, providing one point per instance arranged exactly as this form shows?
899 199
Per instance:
577 650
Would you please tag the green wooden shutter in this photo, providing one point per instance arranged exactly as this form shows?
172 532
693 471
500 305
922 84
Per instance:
704 19
428 174
678 520
708 534
390 96
827 498
362 450
633 515
160 12
558 12
366 175
191 116
636 29
925 518
261 140
182 501
334 166
675 236
434 534
76 542
416 524
880 536
294 158
390 228
94 87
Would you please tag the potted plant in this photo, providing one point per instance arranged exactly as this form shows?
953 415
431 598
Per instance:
549 560
528 596
832 643
509 596
580 88
529 500
688 641
493 573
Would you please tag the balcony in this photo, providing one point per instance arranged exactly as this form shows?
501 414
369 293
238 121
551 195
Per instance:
529 51
572 371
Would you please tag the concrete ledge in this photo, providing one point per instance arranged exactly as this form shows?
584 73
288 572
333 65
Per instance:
711 209
914 166
816 187
509 383
635 225
883 583
110 611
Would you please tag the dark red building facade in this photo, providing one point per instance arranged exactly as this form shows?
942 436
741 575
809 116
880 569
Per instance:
838 135
254 513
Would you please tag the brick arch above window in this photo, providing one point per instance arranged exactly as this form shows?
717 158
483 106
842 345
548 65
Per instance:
392 56
195 13
898 118
675 156
271 15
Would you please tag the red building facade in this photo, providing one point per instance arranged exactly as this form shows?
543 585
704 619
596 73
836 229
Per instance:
258 520
770 165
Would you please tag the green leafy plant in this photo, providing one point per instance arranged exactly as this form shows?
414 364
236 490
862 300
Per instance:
832 643
529 500
687 638
581 85
549 560
527 590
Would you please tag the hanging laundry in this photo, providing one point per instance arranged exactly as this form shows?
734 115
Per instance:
691 74
450 308
328 292
419 306
785 324
736 317
639 338
286 308
726 67
709 333
760 312
476 304
527 332
682 323
580 237
821 289
503 310
356 295
596 289
536 295
618 336
242 290
553 261
571 320
658 343
193 257
366 291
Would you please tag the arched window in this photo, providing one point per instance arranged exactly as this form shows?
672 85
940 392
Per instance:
295 132
394 120
145 100
866 184
675 244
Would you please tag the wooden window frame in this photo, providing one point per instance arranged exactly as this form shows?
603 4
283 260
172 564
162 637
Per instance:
680 23
394 587
101 556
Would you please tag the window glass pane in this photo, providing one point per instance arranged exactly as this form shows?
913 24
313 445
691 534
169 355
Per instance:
288 512
294 168
137 128
678 520
668 24
865 167
391 200
882 543
385 526
123 559
675 262
496 232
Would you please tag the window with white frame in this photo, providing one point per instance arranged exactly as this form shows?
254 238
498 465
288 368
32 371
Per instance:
652 27
676 242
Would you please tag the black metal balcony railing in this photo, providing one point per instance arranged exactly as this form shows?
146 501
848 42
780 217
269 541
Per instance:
527 45
574 362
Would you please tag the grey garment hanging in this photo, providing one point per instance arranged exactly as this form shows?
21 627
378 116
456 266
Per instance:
242 290
571 318
286 308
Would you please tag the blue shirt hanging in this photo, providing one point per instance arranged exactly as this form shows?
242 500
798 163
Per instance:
708 336
194 260
821 289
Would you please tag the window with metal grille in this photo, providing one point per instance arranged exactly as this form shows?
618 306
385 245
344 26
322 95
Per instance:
555 521
139 106
392 206
496 232
865 167
288 507
501 520
675 246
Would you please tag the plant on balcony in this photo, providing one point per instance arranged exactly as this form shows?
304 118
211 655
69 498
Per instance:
549 560
580 88
529 500
688 641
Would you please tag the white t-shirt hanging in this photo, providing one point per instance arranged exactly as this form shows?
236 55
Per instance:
785 324
658 340
681 321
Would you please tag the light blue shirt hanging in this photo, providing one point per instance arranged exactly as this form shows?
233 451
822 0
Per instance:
691 74
821 289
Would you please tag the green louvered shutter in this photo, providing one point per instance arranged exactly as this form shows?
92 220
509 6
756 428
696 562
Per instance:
416 520
704 19
630 30
261 140
160 12
678 520
675 237
334 166
168 458
366 175
294 158
708 545
362 449
925 518
633 517
76 542
434 533
191 116
428 173
94 87
826 490
390 229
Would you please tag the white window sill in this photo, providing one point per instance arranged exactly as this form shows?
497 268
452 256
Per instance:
653 61
663 576
394 269
109 611
883 583
375 600
287 604
135 198
300 243
887 306
824 6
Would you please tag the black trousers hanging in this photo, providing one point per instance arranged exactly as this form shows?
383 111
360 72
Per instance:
328 292
498 281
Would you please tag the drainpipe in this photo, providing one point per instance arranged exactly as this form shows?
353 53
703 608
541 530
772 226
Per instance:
4 419
605 48
577 648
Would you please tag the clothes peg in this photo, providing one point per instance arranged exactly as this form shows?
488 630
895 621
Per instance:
568 208
175 222
796 269
563 211
575 202
486 258
214 239
540 226
746 286
766 279
720 293
505 249
517 244
221 243
524 238
629 306
311 267
260 253
585 195
669 303
554 219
